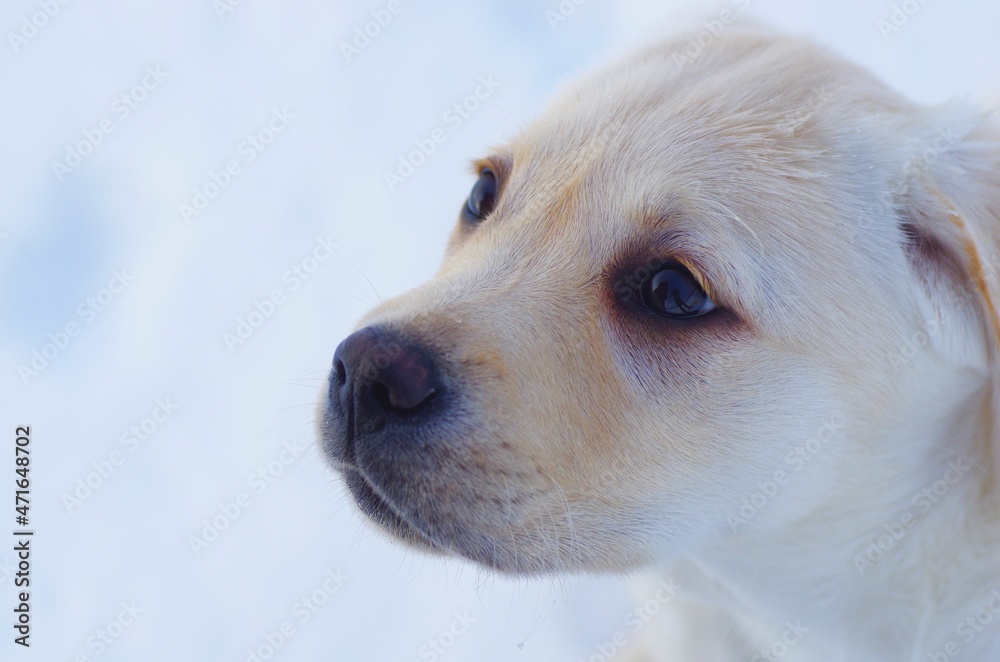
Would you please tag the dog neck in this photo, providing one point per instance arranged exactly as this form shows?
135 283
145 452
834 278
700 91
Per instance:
901 561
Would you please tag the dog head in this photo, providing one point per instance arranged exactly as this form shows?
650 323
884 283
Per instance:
685 277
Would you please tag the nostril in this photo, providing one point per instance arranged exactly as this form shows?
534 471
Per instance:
400 398
406 383
380 394
409 401
340 371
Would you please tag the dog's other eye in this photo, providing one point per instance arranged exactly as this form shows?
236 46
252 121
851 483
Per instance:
674 292
481 199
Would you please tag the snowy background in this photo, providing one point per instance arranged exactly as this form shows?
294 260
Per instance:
168 169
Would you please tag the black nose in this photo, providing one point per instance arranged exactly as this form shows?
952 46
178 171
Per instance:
376 375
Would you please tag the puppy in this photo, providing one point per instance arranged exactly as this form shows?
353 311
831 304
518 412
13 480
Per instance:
733 314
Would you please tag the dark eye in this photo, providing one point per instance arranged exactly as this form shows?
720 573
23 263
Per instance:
480 202
673 291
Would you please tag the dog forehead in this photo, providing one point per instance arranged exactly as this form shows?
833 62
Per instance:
598 178
751 133
641 138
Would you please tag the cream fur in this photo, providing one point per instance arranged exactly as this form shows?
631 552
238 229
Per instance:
852 237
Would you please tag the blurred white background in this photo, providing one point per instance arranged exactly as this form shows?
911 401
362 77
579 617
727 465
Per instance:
115 114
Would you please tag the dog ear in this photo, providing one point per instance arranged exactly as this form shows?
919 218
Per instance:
948 199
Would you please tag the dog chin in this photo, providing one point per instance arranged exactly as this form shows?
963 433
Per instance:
386 516
483 549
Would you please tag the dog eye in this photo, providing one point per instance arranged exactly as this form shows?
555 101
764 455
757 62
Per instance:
480 202
674 292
